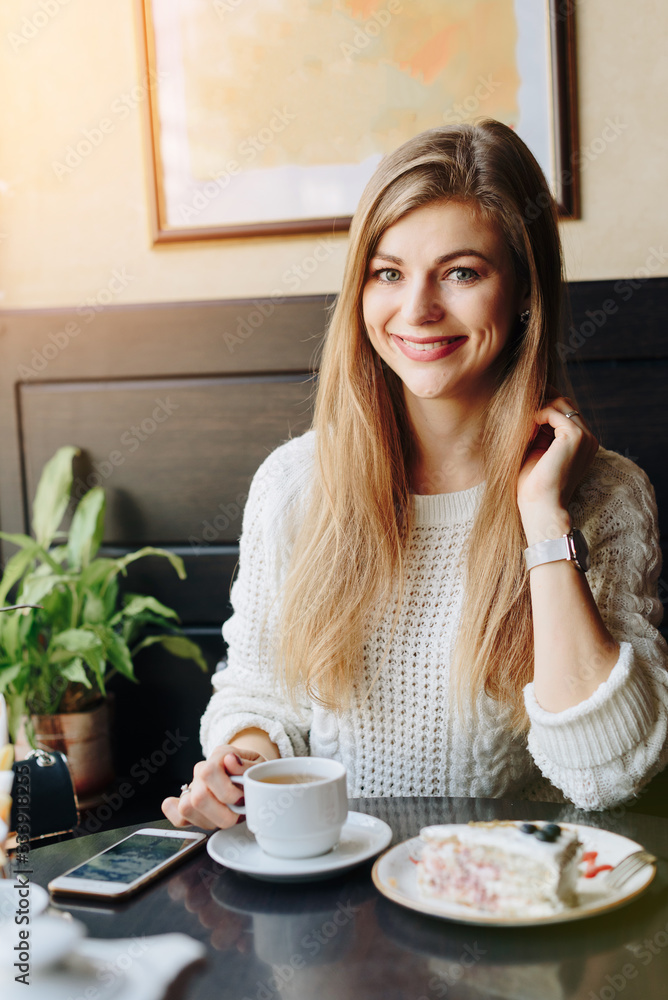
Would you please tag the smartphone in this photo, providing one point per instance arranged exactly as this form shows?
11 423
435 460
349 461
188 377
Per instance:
129 864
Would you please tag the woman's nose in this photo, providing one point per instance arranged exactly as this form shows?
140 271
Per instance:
422 303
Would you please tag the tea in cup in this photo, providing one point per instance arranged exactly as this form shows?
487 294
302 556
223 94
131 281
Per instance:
296 806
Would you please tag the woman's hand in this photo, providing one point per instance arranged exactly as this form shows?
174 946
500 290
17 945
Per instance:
205 801
556 461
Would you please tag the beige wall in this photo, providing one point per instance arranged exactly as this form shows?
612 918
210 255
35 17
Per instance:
86 235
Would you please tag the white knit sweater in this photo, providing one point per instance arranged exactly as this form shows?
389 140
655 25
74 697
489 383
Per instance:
405 739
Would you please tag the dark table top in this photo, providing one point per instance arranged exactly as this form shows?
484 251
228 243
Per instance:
340 938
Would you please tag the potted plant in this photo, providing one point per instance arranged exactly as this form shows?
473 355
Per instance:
56 659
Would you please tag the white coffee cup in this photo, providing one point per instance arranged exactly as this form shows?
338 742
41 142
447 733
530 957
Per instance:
298 818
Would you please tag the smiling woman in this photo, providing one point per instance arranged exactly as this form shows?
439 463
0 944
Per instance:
384 613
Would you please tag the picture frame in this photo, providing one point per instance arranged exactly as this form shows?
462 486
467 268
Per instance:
225 158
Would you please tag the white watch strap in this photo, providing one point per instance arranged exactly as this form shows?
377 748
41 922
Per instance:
551 550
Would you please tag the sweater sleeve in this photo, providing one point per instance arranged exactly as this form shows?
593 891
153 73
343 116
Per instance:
603 750
246 692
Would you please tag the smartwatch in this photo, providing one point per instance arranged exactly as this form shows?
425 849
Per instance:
571 546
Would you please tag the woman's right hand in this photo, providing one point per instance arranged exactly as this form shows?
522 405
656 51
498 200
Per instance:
205 802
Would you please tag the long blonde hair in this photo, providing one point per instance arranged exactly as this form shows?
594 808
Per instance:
349 549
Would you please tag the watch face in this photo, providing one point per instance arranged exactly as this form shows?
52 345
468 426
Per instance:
581 550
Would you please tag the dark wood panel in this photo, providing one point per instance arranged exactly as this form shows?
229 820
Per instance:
175 456
173 338
625 402
106 342
625 318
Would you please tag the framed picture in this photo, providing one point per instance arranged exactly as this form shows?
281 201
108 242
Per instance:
267 117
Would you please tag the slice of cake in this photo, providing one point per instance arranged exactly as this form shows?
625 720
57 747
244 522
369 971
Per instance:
501 867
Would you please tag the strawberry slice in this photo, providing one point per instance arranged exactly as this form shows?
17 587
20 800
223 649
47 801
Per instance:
591 872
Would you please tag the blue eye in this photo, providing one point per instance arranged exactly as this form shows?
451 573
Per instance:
463 274
390 274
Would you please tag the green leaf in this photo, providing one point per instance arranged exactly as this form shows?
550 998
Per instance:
16 568
115 650
21 540
119 657
8 674
76 673
44 568
94 612
53 494
96 660
60 655
177 645
137 605
58 552
36 588
89 646
176 561
10 624
16 711
77 640
97 572
110 598
87 528
58 609
22 683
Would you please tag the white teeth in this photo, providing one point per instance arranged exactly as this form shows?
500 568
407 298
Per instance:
426 347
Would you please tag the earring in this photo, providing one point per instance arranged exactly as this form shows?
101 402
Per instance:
524 317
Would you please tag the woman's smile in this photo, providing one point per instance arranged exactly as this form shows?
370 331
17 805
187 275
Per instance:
432 350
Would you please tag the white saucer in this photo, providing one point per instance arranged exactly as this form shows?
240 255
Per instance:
362 837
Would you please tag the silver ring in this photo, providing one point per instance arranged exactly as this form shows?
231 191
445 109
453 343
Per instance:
184 789
572 413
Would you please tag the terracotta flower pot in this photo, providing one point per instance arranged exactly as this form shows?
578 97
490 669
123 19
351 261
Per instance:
84 737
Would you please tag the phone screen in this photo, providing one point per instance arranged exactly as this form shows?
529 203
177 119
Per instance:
131 859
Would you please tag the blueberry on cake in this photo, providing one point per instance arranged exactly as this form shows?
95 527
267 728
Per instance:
501 867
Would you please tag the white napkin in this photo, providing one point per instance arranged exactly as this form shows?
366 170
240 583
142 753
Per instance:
139 968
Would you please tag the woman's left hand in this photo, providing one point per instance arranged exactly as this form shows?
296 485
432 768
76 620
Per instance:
556 461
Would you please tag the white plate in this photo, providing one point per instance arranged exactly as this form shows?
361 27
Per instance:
395 875
362 837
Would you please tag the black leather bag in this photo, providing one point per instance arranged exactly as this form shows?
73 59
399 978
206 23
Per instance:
44 802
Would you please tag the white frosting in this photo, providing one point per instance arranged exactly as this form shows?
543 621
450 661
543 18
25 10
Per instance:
504 835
